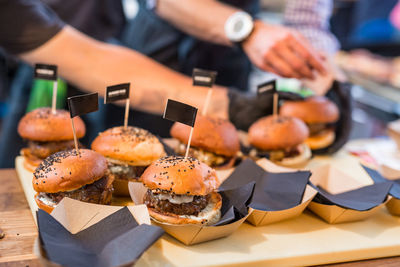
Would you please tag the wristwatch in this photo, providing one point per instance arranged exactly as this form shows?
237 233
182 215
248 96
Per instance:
238 27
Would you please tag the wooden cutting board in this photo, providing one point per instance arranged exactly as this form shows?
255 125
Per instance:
306 240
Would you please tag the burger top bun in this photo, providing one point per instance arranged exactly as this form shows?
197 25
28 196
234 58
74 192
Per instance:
214 135
67 171
44 126
180 176
315 109
132 145
277 132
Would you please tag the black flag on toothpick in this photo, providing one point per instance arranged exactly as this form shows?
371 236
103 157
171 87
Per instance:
180 112
267 87
117 92
204 77
82 104
45 72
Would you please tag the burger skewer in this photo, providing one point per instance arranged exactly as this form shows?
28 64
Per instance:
75 138
126 114
119 92
276 99
205 78
189 141
206 102
79 105
183 113
54 97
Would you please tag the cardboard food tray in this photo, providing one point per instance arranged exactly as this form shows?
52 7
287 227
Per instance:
260 217
335 181
305 240
189 234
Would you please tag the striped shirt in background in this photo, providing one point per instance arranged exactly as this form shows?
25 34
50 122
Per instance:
311 18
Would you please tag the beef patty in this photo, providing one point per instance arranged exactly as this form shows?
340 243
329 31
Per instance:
42 150
126 172
98 192
152 200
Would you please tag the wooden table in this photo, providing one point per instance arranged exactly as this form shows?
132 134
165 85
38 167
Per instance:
20 230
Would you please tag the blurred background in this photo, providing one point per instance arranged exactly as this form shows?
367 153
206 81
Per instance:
369 37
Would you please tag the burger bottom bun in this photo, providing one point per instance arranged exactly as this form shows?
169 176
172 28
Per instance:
298 161
43 206
30 165
321 140
211 214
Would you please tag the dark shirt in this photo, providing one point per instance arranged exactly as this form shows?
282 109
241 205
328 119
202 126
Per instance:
26 24
100 19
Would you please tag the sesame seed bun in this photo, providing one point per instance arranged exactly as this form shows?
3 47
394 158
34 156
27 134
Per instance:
210 215
214 135
315 109
67 171
277 132
180 176
133 146
44 126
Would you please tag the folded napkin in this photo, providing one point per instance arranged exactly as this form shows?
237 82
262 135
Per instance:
114 241
272 191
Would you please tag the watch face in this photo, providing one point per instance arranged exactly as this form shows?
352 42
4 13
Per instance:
238 26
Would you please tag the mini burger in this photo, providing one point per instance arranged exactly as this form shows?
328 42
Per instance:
214 142
47 133
182 191
320 114
282 139
82 177
129 152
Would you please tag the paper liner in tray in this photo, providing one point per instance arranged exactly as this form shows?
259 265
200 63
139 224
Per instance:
188 234
262 217
332 180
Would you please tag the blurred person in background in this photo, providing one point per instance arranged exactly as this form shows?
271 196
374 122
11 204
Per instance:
40 35
228 36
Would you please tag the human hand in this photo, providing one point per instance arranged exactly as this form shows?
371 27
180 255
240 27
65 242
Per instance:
282 51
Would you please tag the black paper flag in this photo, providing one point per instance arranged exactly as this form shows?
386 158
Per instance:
180 112
267 87
82 104
117 240
117 92
45 72
204 77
